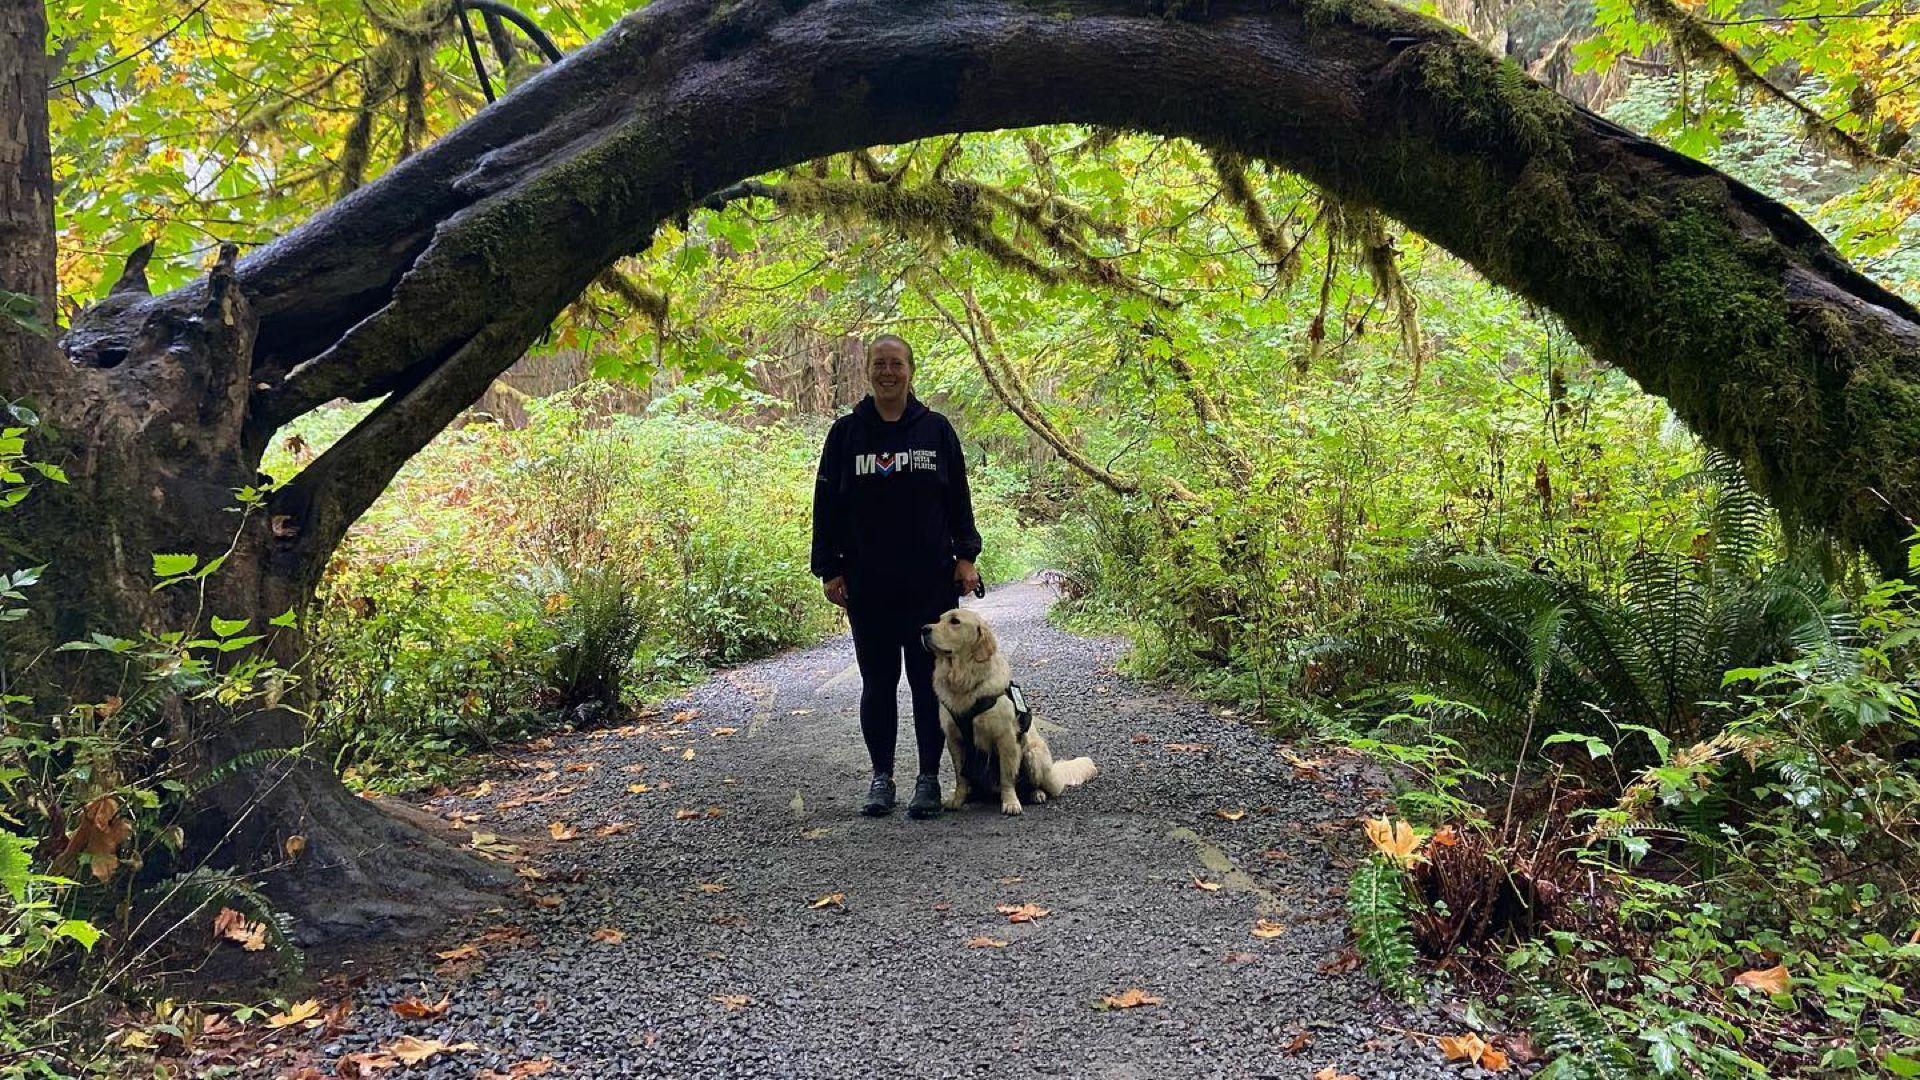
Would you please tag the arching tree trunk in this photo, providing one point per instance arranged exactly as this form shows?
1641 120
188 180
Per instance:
425 285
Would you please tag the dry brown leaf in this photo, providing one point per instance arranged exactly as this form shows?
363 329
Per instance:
1493 1059
982 941
549 900
100 831
462 952
1130 998
614 828
294 846
684 715
723 731
609 935
685 814
1773 980
1142 737
1331 1073
412 1008
1190 747
360 1066
1230 815
1445 836
298 1013
1022 912
1206 886
560 830
1297 1043
1266 929
711 887
832 899
583 766
733 1001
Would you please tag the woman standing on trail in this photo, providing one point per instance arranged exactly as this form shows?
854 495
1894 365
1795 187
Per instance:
893 541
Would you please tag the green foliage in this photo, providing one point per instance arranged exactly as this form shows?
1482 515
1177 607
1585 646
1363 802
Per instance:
1377 906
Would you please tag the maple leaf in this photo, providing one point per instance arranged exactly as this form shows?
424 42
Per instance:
100 832
1396 840
1022 912
296 1014
1445 836
1494 1060
1466 1047
1266 929
982 941
733 1001
412 1008
413 1050
1773 980
560 830
1130 998
1230 815
832 899
609 935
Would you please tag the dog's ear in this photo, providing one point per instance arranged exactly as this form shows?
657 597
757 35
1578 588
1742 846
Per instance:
984 645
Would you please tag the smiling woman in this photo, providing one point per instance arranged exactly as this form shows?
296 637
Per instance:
894 542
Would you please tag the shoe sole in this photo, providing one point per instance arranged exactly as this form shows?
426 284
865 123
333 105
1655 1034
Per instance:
875 811
922 814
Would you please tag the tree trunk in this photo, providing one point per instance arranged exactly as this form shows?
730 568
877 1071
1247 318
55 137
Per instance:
426 284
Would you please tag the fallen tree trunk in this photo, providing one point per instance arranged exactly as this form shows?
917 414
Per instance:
425 285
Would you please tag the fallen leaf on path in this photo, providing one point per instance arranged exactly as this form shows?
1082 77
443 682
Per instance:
548 900
638 789
338 1019
1467 1047
1190 747
295 1014
733 1001
412 1008
1011 880
1142 737
560 830
724 731
1239 958
1022 912
685 715
1130 998
609 935
1206 886
463 952
1297 1043
1331 1073
1494 1060
637 767
688 754
1230 815
613 828
833 899
1340 962
487 843
360 1066
982 941
799 712
1266 929
413 1051
816 833
685 814
583 766
1773 980
711 887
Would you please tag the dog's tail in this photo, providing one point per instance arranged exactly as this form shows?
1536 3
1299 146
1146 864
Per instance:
1074 772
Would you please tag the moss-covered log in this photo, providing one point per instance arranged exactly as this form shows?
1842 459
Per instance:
427 283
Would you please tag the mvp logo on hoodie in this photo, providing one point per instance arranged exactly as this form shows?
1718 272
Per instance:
896 463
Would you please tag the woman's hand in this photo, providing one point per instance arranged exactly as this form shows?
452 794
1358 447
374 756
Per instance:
965 578
836 590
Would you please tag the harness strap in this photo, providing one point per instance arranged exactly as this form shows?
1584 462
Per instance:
964 720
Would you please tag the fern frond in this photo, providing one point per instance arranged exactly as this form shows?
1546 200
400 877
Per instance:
1577 1037
1377 907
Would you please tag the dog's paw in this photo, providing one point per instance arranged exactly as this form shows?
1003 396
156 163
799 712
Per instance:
1039 796
1010 806
955 800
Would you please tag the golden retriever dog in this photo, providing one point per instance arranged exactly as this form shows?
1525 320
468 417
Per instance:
981 712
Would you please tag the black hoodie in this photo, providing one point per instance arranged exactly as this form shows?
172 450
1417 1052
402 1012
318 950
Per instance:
891 507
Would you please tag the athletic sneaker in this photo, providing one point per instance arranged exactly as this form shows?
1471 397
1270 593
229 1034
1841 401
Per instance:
879 797
926 796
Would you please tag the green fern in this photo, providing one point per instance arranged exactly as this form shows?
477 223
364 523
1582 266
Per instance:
234 766
1377 907
1580 1043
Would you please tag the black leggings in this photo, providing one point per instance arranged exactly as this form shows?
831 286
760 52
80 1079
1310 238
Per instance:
880 640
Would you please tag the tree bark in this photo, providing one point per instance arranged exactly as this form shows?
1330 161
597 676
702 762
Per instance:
426 284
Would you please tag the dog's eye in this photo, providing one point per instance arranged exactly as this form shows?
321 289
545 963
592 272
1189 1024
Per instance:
954 619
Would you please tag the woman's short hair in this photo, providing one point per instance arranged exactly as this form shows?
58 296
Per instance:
896 339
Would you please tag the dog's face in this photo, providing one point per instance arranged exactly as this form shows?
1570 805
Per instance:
959 633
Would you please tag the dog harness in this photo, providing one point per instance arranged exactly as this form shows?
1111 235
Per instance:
964 720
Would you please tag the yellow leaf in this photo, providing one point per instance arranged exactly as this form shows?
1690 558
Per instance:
638 789
1494 1060
413 1050
295 1014
687 754
1230 815
733 1001
711 887
609 935
1206 886
1773 980
1396 840
1130 998
1268 928
1466 1047
560 830
834 899
720 731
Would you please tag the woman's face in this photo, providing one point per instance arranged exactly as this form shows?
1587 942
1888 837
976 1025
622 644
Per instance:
888 371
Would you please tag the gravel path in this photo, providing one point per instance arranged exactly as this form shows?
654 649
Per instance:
728 962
